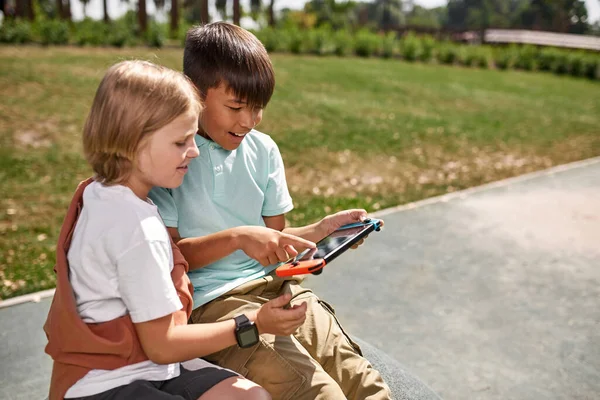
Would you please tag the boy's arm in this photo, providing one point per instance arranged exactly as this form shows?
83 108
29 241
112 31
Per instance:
204 250
318 230
267 246
313 232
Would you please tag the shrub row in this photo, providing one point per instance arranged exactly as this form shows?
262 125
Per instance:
319 41
412 48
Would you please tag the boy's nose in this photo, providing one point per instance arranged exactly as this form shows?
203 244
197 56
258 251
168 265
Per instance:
247 119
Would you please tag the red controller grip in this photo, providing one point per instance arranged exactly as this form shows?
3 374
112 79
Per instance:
300 267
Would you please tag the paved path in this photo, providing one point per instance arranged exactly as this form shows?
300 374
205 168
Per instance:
492 294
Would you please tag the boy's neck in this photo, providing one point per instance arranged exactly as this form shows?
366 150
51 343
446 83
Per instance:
203 134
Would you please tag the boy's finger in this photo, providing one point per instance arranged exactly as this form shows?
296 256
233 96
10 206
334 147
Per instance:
296 312
358 214
292 240
280 301
292 252
282 255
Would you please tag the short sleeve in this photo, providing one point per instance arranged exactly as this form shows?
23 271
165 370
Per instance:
166 206
277 197
144 279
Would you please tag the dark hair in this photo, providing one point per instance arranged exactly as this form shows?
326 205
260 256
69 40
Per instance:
219 53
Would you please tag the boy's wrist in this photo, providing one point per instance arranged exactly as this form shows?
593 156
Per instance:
237 237
253 316
324 227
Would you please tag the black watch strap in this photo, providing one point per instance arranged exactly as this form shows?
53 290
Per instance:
241 320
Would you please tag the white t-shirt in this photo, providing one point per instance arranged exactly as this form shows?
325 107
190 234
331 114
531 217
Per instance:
120 262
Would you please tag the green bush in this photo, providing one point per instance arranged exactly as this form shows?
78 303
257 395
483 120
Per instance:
320 41
576 63
447 53
505 57
560 64
545 59
156 34
53 32
591 67
366 43
272 40
410 47
389 44
294 40
121 34
16 32
427 47
90 32
526 57
343 42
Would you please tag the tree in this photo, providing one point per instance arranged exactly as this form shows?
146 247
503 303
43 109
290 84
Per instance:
105 11
221 6
85 3
385 14
272 13
142 16
174 20
204 16
236 12
429 18
335 14
255 7
24 9
556 16
63 9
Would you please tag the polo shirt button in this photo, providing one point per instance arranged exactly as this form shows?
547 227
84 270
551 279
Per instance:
212 146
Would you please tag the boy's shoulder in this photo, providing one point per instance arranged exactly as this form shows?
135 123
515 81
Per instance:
260 141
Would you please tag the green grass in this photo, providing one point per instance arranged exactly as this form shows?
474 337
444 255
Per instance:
353 132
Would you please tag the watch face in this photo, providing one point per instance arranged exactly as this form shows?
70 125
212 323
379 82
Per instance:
247 336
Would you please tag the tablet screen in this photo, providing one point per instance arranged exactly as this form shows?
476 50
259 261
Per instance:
330 243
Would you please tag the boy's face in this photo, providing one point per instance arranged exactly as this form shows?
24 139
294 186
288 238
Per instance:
227 119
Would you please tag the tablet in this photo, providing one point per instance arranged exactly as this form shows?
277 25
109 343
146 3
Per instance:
313 260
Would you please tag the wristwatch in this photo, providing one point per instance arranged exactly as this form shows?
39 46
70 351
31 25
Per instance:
246 332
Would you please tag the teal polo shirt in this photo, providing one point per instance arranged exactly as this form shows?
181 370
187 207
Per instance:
225 189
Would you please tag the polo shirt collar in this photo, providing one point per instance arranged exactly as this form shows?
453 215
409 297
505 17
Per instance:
201 141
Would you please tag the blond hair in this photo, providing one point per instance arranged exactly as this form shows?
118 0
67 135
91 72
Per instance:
134 99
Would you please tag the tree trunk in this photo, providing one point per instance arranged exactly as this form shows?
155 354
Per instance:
236 12
20 8
67 10
142 16
204 16
59 9
174 17
272 13
105 10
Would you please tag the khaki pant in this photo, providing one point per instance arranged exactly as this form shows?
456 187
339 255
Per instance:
319 361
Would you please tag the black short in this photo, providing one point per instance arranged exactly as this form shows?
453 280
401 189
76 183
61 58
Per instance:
188 385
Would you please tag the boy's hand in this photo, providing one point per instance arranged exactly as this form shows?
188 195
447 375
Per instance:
273 318
268 246
332 222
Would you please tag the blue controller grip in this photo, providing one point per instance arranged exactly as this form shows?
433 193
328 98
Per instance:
367 221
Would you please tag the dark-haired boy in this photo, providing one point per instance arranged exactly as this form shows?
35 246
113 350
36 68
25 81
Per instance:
228 218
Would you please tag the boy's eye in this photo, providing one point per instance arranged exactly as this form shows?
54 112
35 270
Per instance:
235 108
180 144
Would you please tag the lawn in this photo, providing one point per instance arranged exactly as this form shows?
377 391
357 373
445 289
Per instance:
353 132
